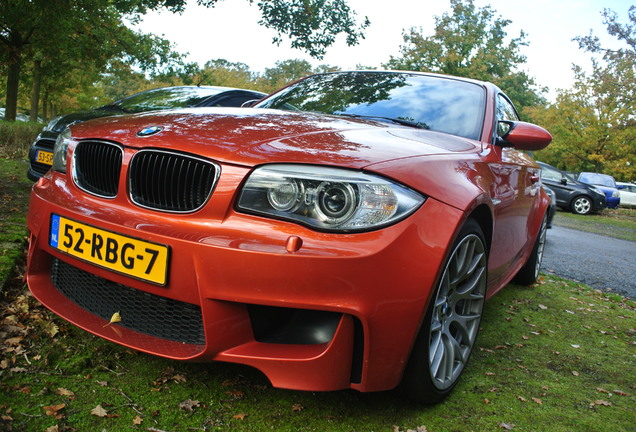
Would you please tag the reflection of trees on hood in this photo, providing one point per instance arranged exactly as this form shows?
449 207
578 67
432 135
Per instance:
334 93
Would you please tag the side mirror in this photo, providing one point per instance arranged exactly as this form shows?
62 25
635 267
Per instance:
523 136
564 181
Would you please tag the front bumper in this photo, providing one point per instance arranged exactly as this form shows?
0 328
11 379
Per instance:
612 202
339 311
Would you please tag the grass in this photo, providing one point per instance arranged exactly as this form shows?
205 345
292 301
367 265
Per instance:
558 356
619 223
14 194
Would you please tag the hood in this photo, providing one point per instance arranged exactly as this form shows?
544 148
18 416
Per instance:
81 116
249 137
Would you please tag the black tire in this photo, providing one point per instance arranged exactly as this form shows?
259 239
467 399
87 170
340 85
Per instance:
582 205
529 273
449 330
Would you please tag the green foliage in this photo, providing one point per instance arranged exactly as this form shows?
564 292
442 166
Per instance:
470 42
16 138
312 24
594 123
61 37
283 73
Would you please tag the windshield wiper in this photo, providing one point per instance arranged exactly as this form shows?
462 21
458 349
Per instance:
400 121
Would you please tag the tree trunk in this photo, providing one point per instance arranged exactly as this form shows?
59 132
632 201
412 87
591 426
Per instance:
35 91
13 80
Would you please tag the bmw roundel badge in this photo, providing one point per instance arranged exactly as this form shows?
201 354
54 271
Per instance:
149 130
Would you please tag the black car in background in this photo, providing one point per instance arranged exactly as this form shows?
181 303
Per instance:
41 151
571 194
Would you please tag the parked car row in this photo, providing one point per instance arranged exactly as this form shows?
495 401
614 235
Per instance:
587 192
41 151
571 194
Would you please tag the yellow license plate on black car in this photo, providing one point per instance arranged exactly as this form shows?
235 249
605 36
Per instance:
44 157
130 256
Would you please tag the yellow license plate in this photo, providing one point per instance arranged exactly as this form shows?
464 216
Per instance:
130 256
44 157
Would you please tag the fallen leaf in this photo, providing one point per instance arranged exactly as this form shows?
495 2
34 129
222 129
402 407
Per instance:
189 405
542 306
575 373
537 401
114 319
522 399
64 392
620 393
99 411
240 416
506 426
137 420
51 329
600 390
179 378
297 407
576 346
236 394
52 429
52 410
600 402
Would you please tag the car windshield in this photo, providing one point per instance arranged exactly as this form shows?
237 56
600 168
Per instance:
597 179
430 102
165 98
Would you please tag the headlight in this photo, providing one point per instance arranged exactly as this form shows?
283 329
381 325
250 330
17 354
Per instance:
598 191
616 194
324 198
59 151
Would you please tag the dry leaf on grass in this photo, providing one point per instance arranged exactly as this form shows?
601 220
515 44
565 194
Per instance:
99 411
189 405
53 410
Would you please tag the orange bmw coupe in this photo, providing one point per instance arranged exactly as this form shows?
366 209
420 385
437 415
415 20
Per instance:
344 232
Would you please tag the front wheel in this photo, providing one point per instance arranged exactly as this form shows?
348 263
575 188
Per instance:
581 205
451 324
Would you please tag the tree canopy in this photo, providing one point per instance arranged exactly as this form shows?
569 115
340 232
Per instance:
470 42
594 123
89 37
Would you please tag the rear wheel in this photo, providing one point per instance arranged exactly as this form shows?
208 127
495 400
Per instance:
581 205
451 324
529 273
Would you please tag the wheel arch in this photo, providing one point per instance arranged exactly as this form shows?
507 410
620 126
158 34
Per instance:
483 216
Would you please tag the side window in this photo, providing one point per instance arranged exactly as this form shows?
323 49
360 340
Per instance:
550 174
505 112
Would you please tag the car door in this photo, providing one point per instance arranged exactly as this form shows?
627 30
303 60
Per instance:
515 189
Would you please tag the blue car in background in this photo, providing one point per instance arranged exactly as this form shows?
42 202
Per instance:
604 182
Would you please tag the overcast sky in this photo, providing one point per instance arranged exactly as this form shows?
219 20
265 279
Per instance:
230 31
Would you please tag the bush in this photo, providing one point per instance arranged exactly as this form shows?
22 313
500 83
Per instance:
17 137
